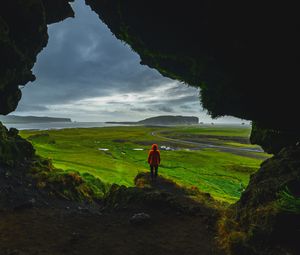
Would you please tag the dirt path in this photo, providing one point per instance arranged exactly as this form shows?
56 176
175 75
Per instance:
58 231
50 231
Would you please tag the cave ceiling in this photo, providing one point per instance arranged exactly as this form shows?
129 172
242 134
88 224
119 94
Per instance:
242 55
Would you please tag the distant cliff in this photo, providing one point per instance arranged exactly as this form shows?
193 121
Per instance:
163 120
31 119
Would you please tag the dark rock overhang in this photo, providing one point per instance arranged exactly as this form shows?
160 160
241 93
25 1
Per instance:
23 34
242 55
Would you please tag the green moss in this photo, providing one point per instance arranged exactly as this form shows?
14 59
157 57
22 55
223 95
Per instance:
272 140
70 185
268 211
14 150
288 202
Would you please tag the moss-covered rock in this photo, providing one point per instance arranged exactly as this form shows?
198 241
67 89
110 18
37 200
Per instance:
276 173
13 148
70 185
268 214
164 195
273 140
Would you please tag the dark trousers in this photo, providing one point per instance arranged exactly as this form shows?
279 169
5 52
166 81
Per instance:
154 170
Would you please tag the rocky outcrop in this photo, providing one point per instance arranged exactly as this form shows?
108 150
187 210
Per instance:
219 47
162 120
243 61
170 120
14 150
273 140
23 34
277 173
57 10
266 220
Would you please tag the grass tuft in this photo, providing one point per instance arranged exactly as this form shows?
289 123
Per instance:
70 185
288 202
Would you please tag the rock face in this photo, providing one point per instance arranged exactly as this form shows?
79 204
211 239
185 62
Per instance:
283 170
240 62
23 34
170 120
57 10
273 140
268 212
139 218
219 47
162 120
13 148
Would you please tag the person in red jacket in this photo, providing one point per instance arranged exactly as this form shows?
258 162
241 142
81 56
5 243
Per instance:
154 161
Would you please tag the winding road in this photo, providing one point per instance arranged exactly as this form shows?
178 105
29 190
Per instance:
200 145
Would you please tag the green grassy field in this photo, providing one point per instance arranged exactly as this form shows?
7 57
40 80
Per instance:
117 154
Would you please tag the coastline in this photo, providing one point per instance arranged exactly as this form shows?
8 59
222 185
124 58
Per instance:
70 125
57 125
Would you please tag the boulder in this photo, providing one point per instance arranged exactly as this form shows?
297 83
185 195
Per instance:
140 218
13 148
266 220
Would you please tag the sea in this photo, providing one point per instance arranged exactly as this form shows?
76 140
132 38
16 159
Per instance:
63 125
58 125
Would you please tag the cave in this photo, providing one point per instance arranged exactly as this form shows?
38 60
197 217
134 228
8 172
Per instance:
243 57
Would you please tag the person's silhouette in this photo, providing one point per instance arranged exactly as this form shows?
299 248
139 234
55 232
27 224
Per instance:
154 161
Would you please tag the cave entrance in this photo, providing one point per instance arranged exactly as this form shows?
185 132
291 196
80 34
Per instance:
86 77
85 74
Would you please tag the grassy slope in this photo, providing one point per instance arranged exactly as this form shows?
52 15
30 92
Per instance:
222 174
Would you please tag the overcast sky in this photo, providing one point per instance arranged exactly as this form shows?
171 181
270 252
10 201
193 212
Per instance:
86 74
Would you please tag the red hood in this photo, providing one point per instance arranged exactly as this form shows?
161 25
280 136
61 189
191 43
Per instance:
154 147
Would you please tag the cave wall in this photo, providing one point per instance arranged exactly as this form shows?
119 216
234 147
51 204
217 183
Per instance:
242 55
268 212
23 34
14 150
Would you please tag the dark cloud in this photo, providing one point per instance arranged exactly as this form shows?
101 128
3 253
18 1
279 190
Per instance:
164 108
84 59
136 109
186 107
29 108
184 99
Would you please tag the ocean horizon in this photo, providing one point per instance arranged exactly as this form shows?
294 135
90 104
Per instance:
57 125
75 124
